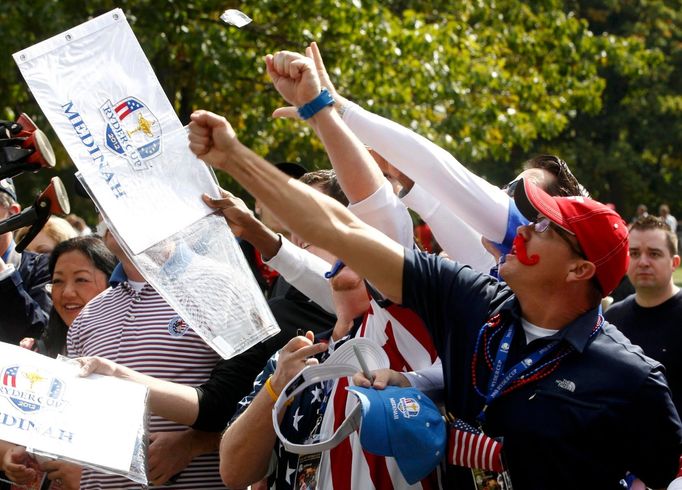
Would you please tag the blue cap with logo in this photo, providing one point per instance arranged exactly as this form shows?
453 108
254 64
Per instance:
405 424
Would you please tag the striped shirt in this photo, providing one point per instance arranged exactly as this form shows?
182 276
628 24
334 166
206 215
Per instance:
141 331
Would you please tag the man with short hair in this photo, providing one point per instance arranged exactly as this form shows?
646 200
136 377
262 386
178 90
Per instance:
641 212
24 301
652 317
563 426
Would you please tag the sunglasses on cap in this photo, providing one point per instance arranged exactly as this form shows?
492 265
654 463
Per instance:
511 187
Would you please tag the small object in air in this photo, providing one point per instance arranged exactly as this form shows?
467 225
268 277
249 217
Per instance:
235 17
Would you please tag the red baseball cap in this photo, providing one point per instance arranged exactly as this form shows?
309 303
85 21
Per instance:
601 232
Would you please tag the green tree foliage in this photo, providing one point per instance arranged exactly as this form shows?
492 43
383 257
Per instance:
630 152
492 82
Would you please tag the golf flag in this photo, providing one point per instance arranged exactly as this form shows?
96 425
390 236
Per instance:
99 92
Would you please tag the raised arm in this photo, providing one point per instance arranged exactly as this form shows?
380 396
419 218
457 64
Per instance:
459 241
480 204
356 170
316 218
361 176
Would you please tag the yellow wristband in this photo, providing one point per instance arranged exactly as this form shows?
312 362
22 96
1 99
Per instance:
271 390
274 396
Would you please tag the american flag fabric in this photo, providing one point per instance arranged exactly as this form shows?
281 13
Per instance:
471 448
404 338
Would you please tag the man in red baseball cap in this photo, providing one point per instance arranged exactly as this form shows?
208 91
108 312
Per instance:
531 361
592 230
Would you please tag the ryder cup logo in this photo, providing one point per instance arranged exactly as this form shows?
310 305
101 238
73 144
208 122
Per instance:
31 389
409 407
133 132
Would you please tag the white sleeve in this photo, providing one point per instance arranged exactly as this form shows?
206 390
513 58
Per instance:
427 379
482 205
461 242
305 271
385 212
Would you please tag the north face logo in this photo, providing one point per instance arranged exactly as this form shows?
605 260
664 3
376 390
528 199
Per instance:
566 385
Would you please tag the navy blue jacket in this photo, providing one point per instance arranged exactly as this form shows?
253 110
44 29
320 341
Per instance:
24 302
604 411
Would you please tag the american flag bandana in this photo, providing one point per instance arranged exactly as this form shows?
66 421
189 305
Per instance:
471 448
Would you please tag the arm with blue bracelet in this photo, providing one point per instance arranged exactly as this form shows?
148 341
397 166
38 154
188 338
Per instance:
323 100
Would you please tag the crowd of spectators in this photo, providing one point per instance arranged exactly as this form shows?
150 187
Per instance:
504 304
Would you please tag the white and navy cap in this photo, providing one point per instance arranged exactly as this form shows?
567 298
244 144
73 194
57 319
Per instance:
342 362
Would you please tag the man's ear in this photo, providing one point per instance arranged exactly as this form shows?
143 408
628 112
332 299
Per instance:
581 270
14 209
676 261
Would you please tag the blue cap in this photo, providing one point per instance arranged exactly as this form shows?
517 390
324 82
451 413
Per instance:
403 423
7 186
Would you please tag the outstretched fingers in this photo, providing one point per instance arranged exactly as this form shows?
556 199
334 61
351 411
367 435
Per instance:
313 52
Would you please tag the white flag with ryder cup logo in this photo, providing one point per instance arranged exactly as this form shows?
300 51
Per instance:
46 407
100 94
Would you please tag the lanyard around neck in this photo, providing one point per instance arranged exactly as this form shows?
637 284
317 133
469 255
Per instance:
531 368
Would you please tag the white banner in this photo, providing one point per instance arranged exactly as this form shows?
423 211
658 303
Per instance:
99 92
47 407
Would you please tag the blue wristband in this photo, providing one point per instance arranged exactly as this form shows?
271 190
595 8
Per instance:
323 100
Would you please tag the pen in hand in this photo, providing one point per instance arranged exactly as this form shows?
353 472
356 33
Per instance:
363 364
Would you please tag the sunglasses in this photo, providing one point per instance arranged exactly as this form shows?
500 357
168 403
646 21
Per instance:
511 187
541 225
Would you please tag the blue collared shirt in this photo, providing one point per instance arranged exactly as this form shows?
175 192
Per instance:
118 276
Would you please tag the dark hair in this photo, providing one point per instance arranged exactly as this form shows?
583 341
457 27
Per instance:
566 184
53 340
327 180
650 222
91 246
